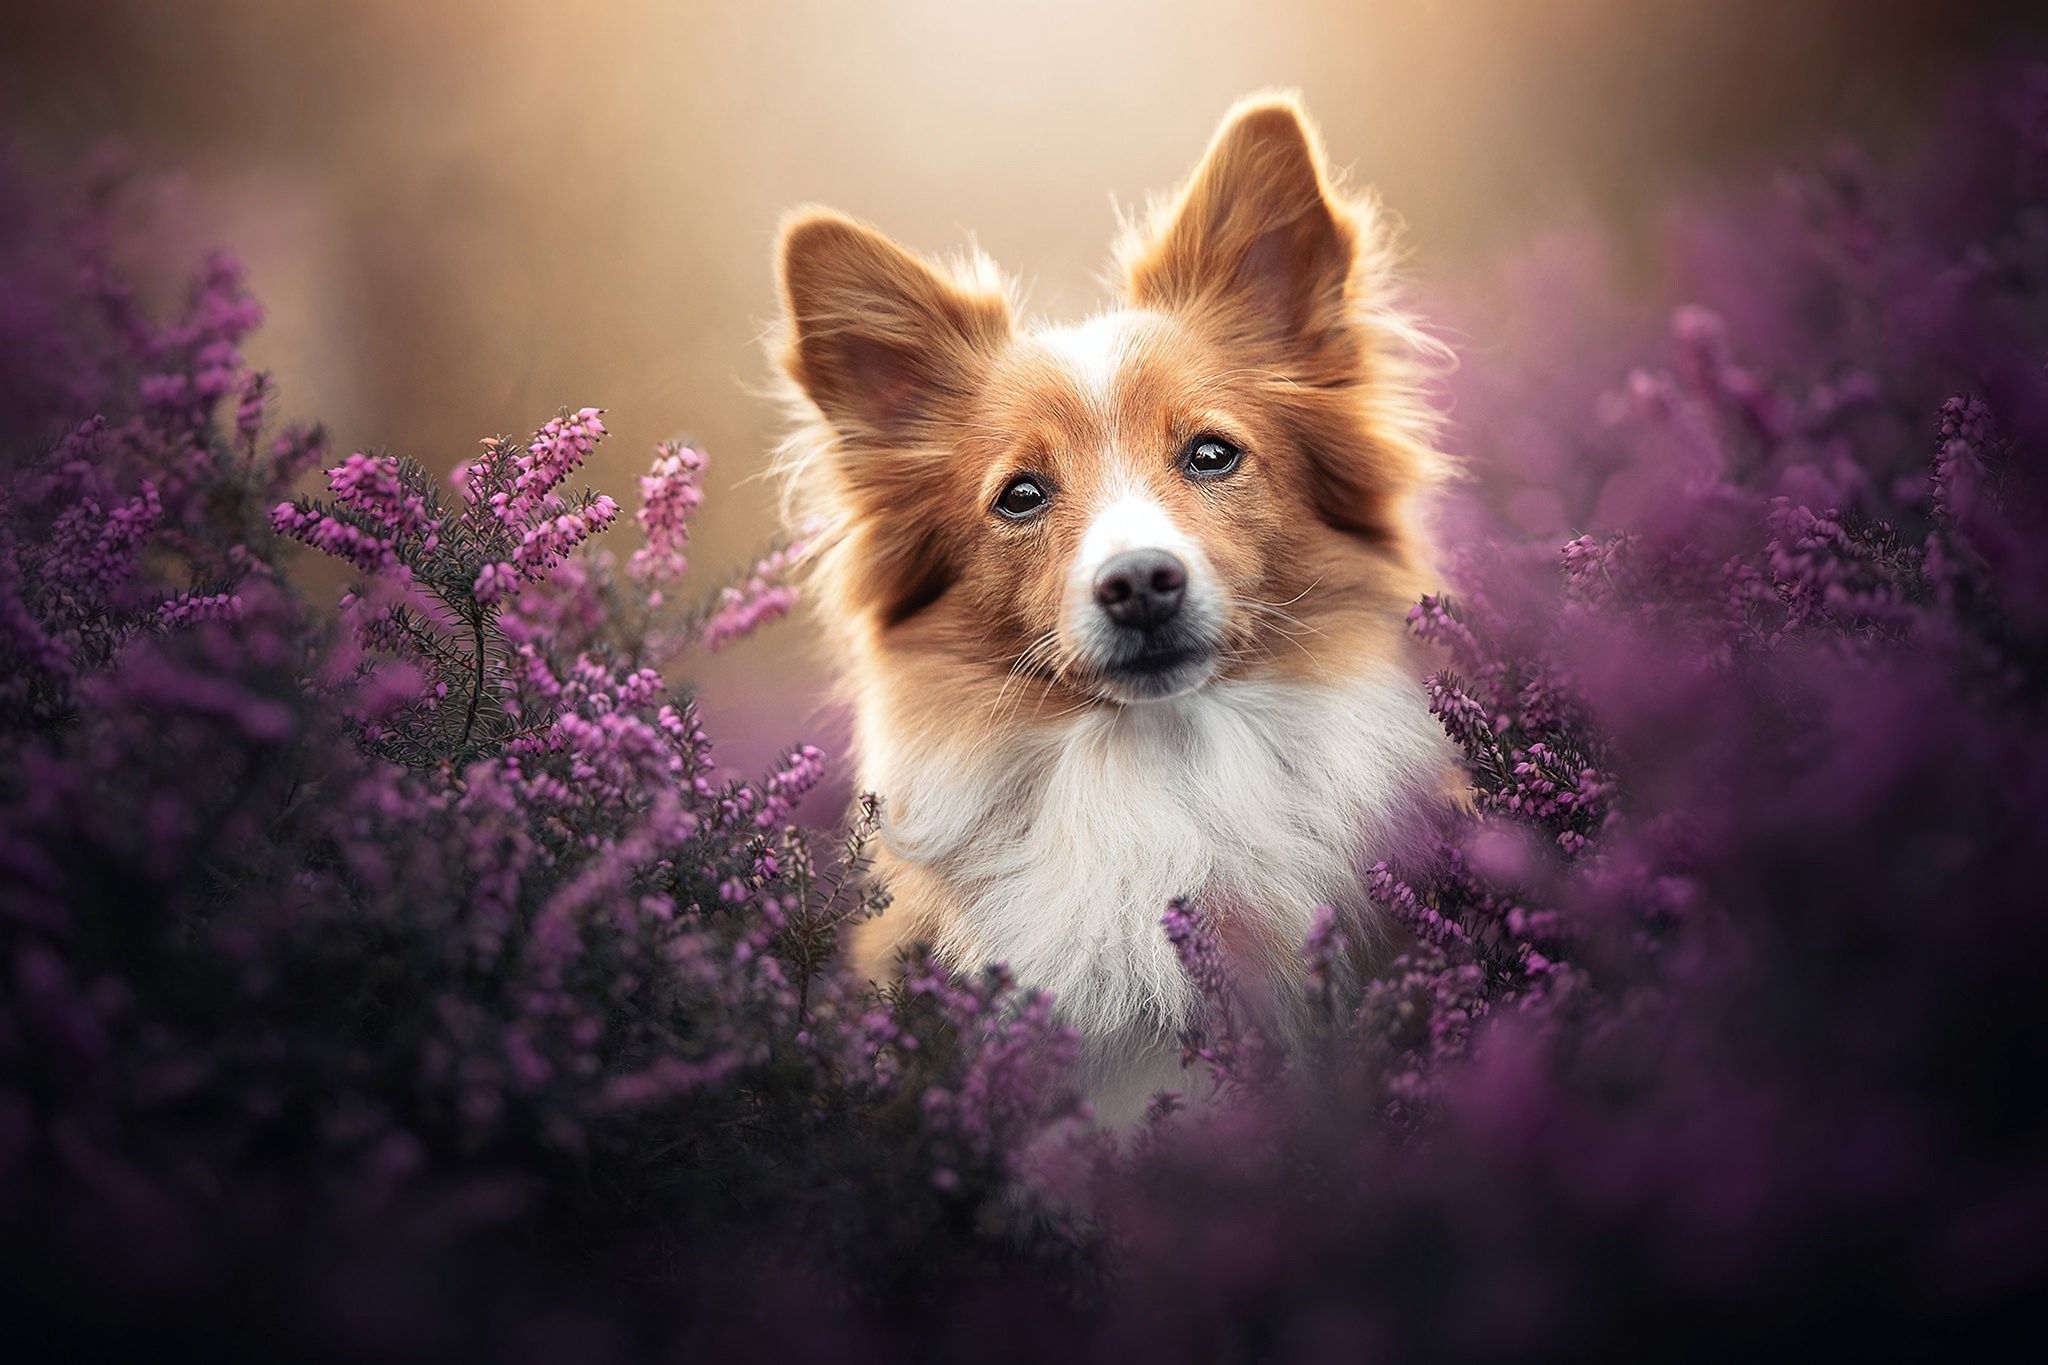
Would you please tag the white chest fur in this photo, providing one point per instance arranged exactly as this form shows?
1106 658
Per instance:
1062 847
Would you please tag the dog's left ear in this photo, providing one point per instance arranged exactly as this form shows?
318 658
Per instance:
1255 238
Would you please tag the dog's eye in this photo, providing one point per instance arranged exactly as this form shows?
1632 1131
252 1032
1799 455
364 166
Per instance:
1210 457
1021 497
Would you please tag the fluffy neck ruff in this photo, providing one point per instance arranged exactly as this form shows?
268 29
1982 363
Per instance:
1060 843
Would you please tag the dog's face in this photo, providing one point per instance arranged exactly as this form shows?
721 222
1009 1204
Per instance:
1134 506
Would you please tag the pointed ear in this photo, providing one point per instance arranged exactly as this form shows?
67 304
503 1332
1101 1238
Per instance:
883 342
1255 235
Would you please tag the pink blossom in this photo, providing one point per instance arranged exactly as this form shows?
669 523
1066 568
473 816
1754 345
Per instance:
789 784
670 494
370 485
554 453
495 582
548 542
764 596
187 608
250 405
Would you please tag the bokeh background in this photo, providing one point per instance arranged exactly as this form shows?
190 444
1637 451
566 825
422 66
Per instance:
463 214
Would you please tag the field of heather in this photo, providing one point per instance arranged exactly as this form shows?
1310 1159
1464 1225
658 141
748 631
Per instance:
392 966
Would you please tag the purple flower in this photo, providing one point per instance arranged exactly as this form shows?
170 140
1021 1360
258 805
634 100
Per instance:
670 494
764 596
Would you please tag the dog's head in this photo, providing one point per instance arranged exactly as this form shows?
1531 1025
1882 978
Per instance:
1173 491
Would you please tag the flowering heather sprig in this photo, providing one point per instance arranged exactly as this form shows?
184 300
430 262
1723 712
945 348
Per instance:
448 592
1822 572
514 510
1965 502
789 784
1412 911
118 452
1420 1016
1021 1056
670 494
765 595
1959 460
551 455
1323 952
370 486
189 608
252 401
548 542
494 583
380 520
1240 1055
94 545
1519 723
332 535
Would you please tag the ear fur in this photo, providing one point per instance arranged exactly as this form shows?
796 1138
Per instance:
881 340
1261 250
1255 236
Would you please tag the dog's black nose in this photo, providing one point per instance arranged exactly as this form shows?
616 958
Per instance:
1141 588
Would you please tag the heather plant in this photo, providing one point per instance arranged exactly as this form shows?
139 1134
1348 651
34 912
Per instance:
350 947
1708 1032
409 978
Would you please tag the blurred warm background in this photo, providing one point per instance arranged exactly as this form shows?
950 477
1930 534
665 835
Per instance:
462 215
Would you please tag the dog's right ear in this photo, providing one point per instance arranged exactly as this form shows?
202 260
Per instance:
884 343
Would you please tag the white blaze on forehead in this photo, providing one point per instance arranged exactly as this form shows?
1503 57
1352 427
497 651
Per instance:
1092 351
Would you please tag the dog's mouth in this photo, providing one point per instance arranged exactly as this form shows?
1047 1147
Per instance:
1152 674
1153 661
1157 670
1125 665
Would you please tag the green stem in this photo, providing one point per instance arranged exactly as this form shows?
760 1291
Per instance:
476 686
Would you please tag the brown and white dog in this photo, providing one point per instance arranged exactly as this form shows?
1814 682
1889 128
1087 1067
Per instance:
1121 603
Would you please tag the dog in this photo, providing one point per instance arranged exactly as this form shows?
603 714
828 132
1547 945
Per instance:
1120 604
